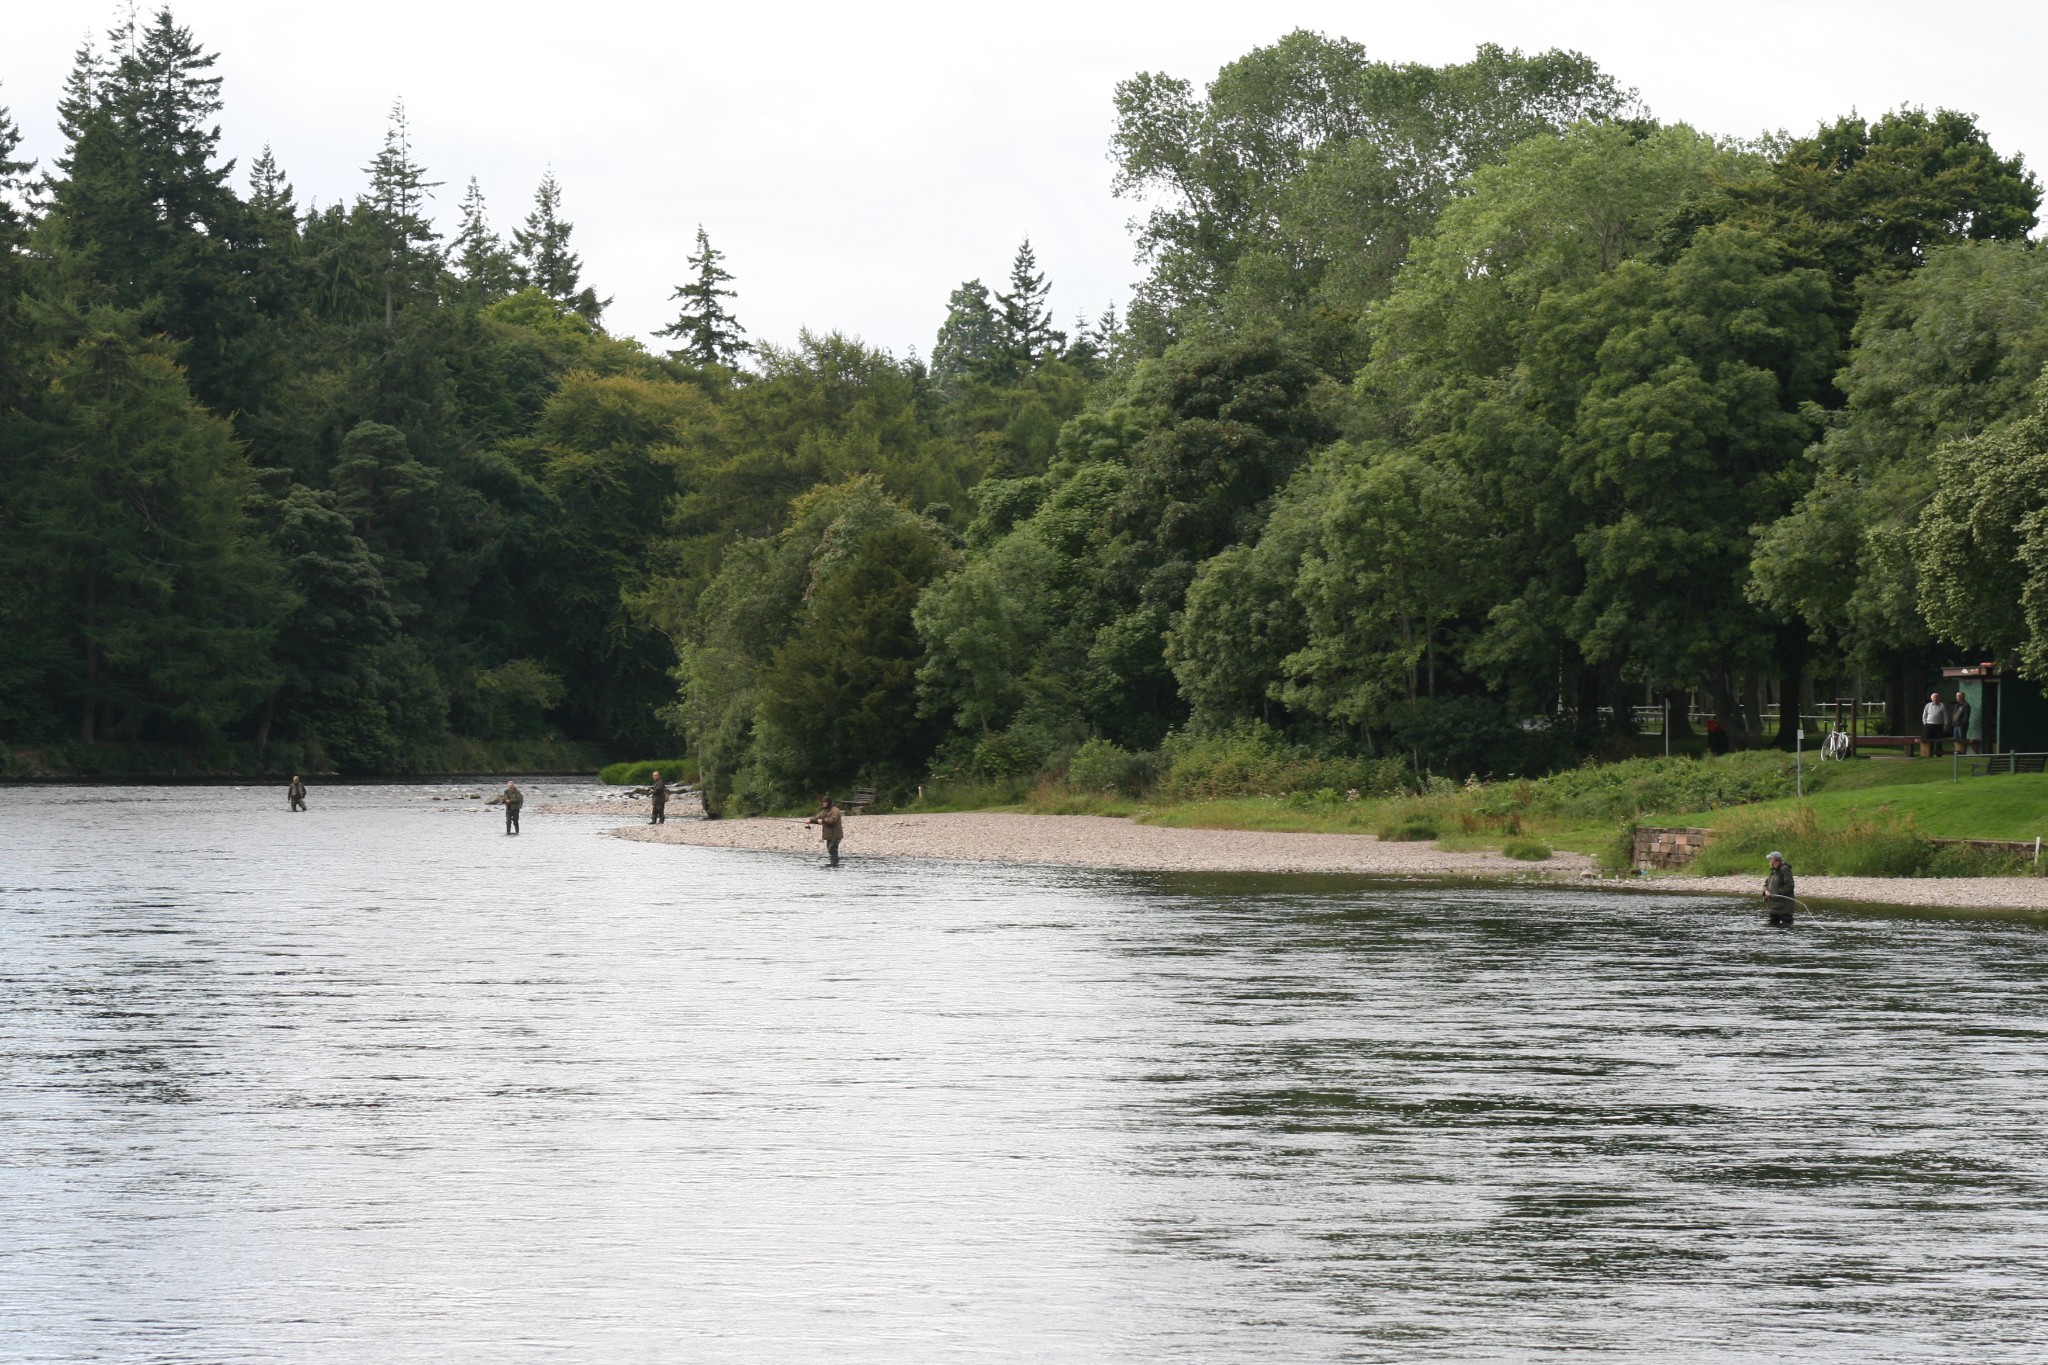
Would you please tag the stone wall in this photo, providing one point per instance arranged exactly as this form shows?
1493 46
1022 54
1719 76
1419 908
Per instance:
1664 849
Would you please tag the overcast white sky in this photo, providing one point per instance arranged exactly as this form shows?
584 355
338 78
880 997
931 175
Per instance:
856 162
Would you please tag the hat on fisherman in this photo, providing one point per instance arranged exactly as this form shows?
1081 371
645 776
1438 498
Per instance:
1775 856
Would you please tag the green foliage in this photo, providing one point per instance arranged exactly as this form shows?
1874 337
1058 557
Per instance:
1672 786
516 697
1526 850
677 771
1461 404
1981 545
1410 829
1099 766
1253 760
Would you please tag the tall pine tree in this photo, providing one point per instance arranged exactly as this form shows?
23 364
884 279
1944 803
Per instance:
141 207
477 254
1029 337
396 207
710 335
544 261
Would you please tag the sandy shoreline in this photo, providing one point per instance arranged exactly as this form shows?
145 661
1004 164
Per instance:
1102 842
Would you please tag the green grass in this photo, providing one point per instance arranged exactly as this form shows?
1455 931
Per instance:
1871 815
2009 806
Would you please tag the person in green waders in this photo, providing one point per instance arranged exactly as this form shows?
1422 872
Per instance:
831 823
295 794
1778 900
513 799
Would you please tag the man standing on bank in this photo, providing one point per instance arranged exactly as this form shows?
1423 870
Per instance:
513 799
295 794
658 789
1778 890
1934 723
831 825
1959 723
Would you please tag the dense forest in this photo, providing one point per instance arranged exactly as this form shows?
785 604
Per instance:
1457 409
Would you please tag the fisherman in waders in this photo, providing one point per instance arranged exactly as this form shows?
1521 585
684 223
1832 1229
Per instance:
296 793
1778 890
831 823
513 799
658 789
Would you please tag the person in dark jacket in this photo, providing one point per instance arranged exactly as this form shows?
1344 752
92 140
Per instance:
513 799
658 789
1959 723
295 794
831 823
1778 890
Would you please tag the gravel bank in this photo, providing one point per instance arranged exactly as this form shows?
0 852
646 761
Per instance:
1938 893
1099 841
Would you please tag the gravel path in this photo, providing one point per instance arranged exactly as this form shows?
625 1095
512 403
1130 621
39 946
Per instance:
1099 841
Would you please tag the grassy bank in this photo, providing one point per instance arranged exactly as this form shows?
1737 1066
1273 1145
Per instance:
1865 817
170 762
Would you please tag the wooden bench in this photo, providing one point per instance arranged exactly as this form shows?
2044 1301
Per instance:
861 800
2009 763
1910 743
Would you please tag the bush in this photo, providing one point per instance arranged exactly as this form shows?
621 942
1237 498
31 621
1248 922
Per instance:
676 770
1255 761
1412 829
1527 850
1100 766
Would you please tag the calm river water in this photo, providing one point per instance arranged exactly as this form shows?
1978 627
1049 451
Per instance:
377 1083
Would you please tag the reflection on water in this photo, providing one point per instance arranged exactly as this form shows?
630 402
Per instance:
377 1082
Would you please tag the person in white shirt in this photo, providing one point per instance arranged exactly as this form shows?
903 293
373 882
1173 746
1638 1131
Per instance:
1934 722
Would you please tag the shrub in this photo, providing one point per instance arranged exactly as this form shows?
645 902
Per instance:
1526 850
1412 829
1005 755
1254 761
1100 766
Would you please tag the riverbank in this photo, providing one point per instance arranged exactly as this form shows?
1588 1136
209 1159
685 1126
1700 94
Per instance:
1125 845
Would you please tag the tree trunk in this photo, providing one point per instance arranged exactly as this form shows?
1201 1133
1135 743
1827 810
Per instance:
263 725
1681 714
92 656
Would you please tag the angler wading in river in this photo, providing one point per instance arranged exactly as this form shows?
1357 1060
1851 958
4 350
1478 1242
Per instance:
1778 899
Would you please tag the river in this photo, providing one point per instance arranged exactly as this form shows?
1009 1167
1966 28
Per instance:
377 1082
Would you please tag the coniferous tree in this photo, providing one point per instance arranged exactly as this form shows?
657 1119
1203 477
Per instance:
396 206
544 261
141 207
970 344
710 335
1028 334
476 252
